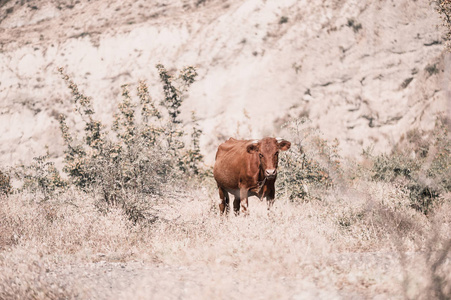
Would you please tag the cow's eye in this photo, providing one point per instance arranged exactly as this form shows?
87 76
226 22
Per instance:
277 154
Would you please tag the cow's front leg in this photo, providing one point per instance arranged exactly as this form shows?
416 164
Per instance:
224 204
270 198
244 201
236 205
270 203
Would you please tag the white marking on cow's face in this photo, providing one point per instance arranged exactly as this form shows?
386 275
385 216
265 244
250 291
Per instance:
270 173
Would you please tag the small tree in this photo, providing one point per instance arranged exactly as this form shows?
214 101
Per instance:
145 150
174 89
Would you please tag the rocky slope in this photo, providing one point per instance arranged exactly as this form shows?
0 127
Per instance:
364 72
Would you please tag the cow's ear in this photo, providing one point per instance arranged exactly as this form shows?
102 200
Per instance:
251 148
284 145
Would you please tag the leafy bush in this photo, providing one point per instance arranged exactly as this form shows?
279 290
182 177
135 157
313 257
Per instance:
143 151
193 158
310 164
5 184
444 9
388 167
423 165
41 176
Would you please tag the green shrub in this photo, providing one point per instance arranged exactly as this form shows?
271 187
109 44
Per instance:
422 165
144 150
311 164
193 158
41 176
5 184
388 167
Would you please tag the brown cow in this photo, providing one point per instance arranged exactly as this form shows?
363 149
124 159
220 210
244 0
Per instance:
246 168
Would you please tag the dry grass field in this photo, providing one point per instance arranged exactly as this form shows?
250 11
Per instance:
123 205
359 242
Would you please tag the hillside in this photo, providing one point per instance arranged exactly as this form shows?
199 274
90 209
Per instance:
139 216
365 72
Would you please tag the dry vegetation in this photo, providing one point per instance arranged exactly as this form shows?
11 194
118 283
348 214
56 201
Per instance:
338 230
360 242
137 217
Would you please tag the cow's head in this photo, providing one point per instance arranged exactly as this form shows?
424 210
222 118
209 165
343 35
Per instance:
268 152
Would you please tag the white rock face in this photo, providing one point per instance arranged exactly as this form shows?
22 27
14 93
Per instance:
364 72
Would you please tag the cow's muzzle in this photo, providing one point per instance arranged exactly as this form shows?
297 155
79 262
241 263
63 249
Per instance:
270 173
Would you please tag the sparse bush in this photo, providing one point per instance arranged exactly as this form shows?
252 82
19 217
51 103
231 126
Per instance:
283 19
193 157
423 165
147 150
406 82
41 176
388 167
444 9
200 2
432 69
354 25
310 164
297 67
5 184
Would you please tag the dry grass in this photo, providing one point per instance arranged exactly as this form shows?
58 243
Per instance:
361 242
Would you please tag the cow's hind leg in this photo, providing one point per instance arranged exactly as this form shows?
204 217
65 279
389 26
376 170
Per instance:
243 201
224 205
236 205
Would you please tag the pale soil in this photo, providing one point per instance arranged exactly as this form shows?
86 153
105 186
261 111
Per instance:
347 276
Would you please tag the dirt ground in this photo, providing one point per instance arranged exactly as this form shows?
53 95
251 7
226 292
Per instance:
138 280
